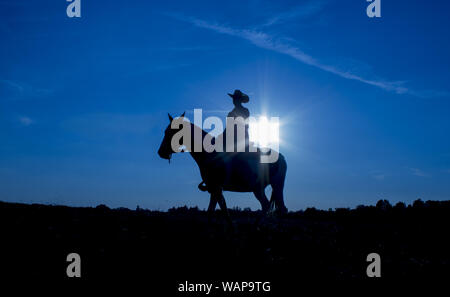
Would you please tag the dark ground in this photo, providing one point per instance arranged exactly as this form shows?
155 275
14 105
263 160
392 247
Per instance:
179 245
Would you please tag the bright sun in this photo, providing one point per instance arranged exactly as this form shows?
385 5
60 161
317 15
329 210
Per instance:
264 133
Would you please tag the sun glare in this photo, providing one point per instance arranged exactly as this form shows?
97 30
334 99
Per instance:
264 133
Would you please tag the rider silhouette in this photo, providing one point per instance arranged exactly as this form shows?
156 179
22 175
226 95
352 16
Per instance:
238 111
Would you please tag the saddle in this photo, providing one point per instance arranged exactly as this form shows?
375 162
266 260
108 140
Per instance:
204 188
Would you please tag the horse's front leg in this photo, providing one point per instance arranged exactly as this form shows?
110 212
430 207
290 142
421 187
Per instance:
223 205
212 207
212 204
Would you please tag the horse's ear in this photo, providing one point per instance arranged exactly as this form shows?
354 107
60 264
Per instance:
182 116
170 117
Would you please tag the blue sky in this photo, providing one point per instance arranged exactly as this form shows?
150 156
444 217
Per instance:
83 102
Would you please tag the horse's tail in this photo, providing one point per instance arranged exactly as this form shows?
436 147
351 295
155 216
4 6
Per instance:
277 177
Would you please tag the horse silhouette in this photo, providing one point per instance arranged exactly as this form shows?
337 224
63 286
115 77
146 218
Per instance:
231 171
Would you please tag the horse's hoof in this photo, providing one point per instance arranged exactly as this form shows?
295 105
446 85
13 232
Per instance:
281 212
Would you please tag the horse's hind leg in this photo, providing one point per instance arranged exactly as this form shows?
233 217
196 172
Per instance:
261 196
278 199
277 183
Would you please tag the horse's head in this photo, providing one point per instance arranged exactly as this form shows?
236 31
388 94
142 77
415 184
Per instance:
165 150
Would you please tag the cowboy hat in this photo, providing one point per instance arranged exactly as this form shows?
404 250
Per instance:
239 96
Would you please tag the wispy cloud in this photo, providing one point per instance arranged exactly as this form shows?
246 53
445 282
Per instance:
15 89
302 11
109 124
418 172
12 85
25 121
379 176
283 46
189 48
158 68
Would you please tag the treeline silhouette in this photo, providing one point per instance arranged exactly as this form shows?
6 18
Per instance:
184 243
